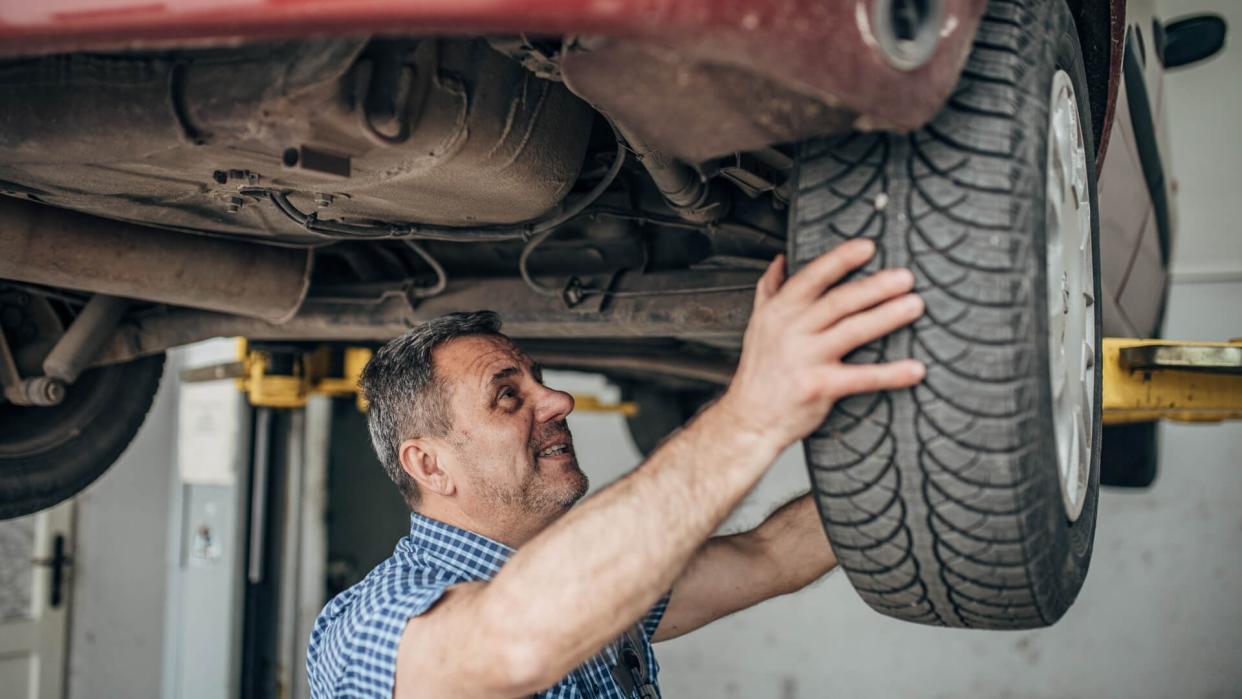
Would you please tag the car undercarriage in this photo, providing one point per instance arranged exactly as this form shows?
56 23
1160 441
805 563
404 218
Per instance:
367 189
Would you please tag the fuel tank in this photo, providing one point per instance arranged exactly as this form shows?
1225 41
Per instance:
439 131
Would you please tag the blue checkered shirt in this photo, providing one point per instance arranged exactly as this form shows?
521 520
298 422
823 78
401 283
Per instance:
353 647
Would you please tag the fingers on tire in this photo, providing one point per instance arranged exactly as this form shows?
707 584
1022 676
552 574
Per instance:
858 295
812 280
867 326
852 379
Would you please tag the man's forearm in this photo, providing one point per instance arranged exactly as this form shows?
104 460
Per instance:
730 573
793 542
579 584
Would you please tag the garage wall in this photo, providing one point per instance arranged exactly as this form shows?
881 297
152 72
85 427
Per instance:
121 561
145 621
1159 615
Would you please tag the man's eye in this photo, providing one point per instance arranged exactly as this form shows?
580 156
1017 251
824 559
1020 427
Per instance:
506 393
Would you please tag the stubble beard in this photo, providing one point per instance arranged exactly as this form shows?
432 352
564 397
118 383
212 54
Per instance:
541 497
543 492
534 496
537 496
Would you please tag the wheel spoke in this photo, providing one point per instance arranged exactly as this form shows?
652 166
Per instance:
1072 464
1086 358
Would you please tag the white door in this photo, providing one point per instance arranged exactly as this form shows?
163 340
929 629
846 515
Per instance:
34 603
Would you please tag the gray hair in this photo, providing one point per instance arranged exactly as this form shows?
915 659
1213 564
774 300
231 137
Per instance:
405 399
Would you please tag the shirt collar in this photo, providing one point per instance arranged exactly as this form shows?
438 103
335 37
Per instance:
472 555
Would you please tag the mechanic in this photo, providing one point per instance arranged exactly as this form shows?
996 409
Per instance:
503 588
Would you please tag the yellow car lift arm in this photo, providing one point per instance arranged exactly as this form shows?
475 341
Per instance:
284 380
1170 380
1142 379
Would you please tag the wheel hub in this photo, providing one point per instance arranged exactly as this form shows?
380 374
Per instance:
1071 295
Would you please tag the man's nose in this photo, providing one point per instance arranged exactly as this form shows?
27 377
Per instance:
554 405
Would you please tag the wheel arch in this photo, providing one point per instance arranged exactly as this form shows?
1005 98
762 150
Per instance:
1101 26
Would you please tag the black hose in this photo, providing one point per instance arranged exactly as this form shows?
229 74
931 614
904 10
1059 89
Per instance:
422 292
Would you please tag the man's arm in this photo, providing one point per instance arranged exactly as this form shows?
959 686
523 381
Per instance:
579 584
730 573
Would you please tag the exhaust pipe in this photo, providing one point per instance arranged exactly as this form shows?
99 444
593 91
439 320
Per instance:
59 248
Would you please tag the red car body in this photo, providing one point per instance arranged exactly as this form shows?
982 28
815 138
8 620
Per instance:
822 50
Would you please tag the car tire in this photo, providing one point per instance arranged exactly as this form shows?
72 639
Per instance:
946 504
660 411
48 455
1130 455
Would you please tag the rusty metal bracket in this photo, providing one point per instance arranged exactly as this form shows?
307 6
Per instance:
42 391
1171 380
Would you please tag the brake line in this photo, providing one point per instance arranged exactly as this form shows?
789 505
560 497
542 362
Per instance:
422 292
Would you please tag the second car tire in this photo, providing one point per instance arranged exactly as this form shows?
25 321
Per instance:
48 455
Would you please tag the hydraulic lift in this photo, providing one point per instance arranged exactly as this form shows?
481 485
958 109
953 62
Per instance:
1170 380
286 377
1144 380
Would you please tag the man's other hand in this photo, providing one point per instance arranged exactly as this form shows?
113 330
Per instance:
791 369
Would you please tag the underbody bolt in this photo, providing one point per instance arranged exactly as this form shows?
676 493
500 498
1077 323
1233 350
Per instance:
323 200
233 204
43 391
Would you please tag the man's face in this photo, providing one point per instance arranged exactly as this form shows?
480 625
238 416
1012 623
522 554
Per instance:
509 442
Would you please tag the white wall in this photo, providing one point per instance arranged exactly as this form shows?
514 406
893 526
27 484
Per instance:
132 602
1204 105
121 558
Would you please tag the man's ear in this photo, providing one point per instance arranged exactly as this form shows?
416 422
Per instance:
419 460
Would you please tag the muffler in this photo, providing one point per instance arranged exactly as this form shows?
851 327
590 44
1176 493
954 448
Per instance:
54 247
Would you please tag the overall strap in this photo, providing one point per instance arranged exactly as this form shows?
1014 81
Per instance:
632 670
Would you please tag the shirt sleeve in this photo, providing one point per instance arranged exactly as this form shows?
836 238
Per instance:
353 649
652 621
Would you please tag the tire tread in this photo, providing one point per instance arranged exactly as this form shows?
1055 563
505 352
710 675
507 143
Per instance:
928 494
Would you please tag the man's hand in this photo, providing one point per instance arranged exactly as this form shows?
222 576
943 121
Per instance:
790 372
